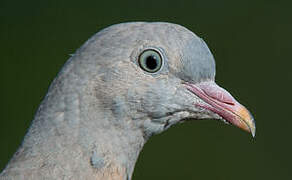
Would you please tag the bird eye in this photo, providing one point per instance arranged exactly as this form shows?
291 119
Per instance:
150 60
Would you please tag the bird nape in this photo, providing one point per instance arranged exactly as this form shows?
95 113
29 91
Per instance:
125 84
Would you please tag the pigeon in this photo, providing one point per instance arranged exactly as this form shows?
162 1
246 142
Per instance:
127 83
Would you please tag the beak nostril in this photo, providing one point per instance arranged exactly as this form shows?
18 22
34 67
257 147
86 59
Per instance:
229 103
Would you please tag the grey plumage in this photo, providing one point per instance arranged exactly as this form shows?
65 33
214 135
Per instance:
102 107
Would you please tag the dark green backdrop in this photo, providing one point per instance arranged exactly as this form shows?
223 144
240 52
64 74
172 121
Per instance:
251 42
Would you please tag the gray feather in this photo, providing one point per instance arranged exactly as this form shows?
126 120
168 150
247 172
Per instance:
102 107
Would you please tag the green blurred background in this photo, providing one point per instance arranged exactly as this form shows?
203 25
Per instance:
251 42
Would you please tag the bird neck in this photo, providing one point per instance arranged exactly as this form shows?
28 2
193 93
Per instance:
75 135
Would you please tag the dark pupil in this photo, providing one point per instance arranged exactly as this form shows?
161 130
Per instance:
151 62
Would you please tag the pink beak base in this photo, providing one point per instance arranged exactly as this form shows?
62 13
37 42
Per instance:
221 102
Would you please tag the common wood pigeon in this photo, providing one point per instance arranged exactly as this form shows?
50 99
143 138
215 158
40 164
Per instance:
125 84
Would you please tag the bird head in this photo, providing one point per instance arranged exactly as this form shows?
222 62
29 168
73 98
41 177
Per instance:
161 74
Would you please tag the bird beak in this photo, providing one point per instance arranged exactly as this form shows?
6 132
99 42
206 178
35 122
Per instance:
219 101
